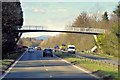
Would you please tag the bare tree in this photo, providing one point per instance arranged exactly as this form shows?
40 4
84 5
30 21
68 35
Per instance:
82 20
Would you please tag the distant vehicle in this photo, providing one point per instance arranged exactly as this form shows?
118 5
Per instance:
47 51
31 49
56 48
71 49
63 47
38 48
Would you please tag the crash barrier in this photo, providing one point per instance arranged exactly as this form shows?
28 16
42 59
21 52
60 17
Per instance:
99 62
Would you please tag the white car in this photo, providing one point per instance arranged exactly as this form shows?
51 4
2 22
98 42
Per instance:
71 49
31 50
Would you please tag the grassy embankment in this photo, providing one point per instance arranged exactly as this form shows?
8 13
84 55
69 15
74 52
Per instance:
98 68
9 60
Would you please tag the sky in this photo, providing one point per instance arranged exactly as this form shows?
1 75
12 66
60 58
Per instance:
56 15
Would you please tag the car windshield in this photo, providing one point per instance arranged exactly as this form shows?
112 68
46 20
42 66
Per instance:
71 47
30 48
48 50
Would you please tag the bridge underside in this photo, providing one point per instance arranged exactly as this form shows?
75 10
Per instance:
25 31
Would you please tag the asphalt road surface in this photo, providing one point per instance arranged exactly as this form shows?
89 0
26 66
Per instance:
33 66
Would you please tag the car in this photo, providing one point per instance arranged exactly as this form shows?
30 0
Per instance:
47 51
30 50
56 48
71 49
63 48
38 48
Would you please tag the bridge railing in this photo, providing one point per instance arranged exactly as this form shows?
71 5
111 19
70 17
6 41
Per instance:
32 28
75 29
90 30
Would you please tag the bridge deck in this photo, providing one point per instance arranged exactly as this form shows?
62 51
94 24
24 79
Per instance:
64 31
67 30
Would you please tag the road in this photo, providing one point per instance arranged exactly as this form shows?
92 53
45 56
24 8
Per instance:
32 66
107 60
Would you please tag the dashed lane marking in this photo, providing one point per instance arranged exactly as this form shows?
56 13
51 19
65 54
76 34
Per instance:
46 69
86 71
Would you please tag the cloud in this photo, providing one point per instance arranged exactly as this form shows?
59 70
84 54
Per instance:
61 10
39 10
66 0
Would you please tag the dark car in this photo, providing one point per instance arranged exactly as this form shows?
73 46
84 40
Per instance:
48 52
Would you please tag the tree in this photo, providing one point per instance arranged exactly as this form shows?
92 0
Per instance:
105 16
82 20
12 17
117 11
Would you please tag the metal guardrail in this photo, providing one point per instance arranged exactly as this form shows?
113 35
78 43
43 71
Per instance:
100 63
96 61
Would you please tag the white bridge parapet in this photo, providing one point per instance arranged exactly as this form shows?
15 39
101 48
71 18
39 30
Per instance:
89 30
75 29
32 28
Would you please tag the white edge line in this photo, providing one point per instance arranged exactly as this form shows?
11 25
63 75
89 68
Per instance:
9 69
86 71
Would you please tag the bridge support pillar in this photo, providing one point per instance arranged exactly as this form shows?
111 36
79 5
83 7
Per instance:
18 37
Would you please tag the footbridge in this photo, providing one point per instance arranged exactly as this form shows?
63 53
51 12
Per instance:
91 31
95 31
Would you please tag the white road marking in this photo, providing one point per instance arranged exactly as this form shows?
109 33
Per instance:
46 69
51 76
86 71
6 72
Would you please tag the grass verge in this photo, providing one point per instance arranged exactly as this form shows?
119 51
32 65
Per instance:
98 68
11 58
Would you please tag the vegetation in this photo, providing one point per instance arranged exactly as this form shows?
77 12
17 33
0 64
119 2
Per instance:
108 42
100 69
105 16
117 11
10 58
76 39
12 19
29 42
82 21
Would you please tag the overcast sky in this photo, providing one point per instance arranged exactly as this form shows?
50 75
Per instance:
69 0
56 15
